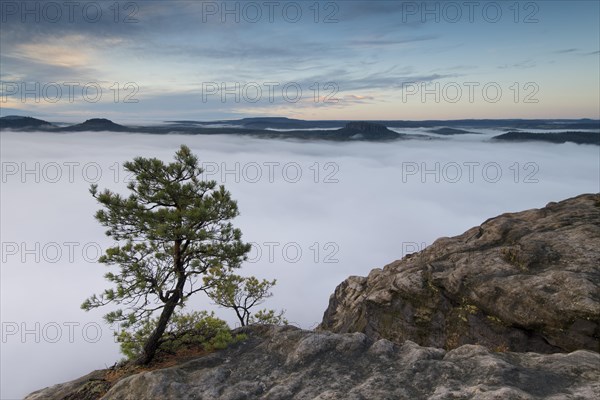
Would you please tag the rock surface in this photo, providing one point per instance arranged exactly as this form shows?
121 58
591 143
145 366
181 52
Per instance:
89 387
526 281
289 363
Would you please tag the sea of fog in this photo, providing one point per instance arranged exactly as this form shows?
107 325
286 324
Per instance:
316 213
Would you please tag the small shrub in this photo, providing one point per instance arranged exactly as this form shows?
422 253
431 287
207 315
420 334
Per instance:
268 317
197 328
501 348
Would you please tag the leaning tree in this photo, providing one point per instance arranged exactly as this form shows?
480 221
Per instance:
172 230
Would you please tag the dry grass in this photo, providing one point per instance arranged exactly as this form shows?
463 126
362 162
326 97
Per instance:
116 373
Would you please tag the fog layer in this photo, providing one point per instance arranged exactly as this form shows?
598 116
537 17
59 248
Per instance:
315 212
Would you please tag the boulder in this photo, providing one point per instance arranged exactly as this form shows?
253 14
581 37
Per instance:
525 281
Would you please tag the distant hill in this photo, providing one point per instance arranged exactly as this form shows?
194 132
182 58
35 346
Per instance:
367 130
20 122
283 123
552 137
97 124
450 131
290 123
334 130
549 124
357 130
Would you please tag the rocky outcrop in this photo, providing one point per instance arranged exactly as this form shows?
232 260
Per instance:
97 124
367 130
526 281
89 387
288 363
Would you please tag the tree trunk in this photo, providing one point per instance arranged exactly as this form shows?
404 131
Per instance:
240 317
153 341
151 345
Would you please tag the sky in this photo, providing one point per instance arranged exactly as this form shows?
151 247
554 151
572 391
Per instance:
147 61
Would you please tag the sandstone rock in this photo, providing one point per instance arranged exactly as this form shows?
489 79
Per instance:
526 281
282 363
88 387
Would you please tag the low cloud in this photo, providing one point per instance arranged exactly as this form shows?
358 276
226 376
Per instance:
346 207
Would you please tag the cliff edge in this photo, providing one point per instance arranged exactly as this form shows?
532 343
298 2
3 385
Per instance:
282 363
525 281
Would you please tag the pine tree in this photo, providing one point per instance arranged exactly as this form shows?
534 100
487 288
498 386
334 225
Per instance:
173 230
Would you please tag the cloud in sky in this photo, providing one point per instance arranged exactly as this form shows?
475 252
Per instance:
565 51
520 65
368 42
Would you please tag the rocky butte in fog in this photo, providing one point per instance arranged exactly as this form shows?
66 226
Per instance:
508 310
